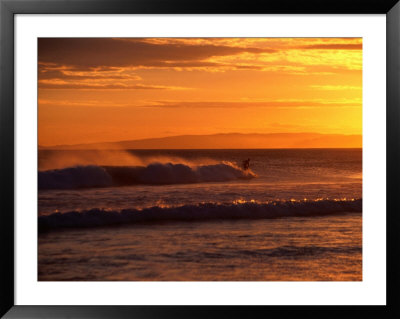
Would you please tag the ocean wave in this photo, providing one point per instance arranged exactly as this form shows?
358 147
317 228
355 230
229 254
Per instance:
153 174
201 212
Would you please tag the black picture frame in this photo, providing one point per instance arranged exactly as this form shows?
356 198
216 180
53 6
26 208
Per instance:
8 8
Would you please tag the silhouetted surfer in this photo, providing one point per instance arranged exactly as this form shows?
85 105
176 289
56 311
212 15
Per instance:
246 164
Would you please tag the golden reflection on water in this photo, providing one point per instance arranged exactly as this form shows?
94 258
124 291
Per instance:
286 249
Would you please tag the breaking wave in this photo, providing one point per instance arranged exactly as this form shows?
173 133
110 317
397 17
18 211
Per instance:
205 211
152 174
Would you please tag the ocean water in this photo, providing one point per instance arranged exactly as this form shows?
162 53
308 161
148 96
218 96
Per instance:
176 215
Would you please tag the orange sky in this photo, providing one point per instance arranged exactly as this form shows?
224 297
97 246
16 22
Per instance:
95 90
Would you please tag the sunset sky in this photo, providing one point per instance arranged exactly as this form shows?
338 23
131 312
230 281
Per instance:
104 89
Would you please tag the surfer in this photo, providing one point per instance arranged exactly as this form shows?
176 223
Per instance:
246 164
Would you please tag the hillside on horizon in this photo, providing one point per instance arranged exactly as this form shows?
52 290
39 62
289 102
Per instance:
227 141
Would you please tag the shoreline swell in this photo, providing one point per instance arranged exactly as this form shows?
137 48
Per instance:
98 217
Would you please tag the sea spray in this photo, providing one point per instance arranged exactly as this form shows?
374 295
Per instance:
153 174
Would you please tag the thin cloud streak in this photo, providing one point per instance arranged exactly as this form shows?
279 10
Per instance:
82 86
260 104
211 104
335 46
336 87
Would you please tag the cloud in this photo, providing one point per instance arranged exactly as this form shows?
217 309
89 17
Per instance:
247 104
82 103
69 58
336 87
209 104
96 52
84 86
68 74
333 46
277 44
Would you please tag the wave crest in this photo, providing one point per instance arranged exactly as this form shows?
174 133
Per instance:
205 211
152 174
